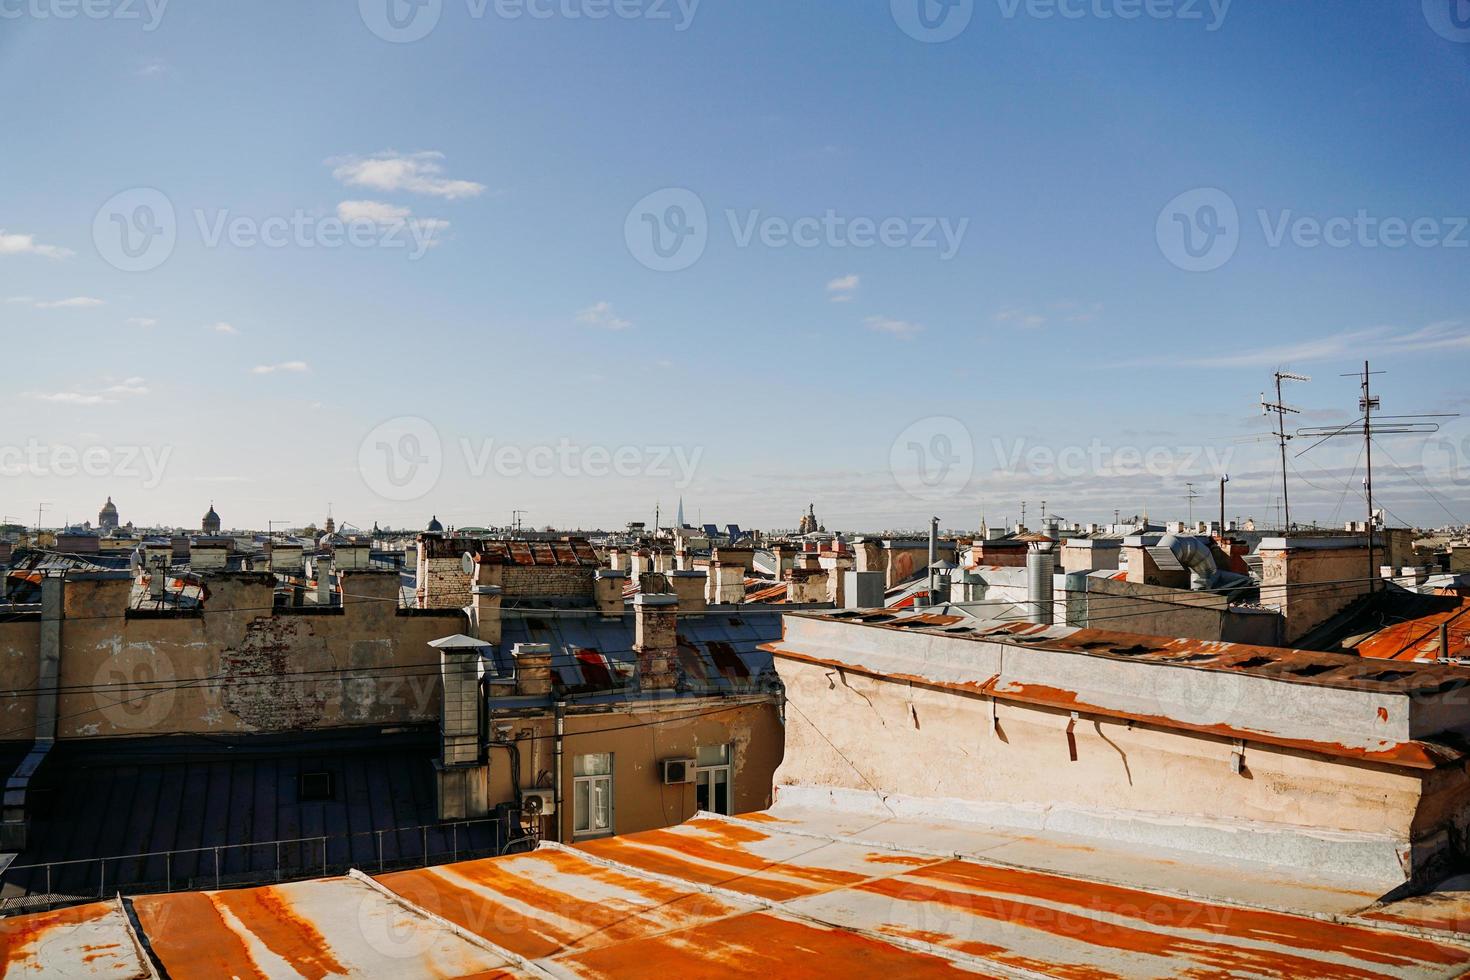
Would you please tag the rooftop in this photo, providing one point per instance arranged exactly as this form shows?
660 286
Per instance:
781 893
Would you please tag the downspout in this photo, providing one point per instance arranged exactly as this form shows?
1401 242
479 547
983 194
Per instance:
48 671
561 725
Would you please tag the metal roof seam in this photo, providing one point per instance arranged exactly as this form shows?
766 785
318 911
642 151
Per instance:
130 926
443 923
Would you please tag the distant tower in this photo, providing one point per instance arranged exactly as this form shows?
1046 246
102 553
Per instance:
680 516
107 516
331 525
808 521
210 523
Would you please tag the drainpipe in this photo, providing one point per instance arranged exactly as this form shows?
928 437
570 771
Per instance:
48 672
561 727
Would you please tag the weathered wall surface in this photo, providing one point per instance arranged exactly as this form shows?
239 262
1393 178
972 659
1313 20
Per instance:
1131 607
942 745
641 800
1310 585
238 667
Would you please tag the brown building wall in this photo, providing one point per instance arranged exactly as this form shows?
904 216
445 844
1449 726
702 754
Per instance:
238 667
640 799
1342 573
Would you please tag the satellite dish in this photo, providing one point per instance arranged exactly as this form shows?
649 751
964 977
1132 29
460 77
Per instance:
468 563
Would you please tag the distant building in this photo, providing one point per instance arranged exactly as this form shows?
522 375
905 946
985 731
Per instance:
107 516
210 523
809 523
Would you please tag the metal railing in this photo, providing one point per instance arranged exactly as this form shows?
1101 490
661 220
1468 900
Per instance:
56 883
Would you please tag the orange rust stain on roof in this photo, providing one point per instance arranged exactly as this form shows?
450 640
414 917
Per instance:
190 938
1086 929
733 833
1418 639
908 860
990 951
740 873
762 946
1412 754
269 916
762 817
593 921
1298 932
731 855
22 937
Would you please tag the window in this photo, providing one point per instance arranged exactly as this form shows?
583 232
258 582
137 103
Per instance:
592 795
712 779
314 787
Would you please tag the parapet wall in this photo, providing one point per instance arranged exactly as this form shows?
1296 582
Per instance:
237 666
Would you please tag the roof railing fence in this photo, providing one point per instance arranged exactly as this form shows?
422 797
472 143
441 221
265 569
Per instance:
53 884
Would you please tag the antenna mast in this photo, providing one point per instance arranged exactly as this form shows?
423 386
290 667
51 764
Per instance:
1280 409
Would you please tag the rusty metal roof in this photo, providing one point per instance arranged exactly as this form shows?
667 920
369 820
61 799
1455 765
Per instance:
759 896
1418 638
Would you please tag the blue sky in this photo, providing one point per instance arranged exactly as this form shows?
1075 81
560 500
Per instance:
765 374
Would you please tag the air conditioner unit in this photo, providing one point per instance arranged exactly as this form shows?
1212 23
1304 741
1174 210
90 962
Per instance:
678 771
537 802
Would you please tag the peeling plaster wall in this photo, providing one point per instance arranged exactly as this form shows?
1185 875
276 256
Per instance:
1293 572
240 667
1014 767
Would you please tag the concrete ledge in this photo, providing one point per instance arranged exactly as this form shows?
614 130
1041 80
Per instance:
1357 856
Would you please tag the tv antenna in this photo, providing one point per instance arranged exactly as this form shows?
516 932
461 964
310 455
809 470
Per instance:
1368 404
1280 409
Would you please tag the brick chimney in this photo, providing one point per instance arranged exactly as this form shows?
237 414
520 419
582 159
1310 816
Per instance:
533 668
486 594
689 586
607 590
656 640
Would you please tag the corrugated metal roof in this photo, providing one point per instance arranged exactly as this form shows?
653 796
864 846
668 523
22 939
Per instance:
761 896
1418 638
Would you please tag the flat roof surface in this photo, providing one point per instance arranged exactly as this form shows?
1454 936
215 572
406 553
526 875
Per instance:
781 893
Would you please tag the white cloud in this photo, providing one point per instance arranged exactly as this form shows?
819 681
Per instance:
70 303
141 321
70 398
601 315
223 327
375 211
841 289
892 327
417 173
129 386
294 367
14 243
153 69
1444 335
1024 318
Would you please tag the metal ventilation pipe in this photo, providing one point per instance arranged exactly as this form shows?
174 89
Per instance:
933 557
1041 564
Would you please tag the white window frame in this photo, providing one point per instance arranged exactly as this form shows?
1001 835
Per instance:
602 783
702 774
